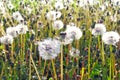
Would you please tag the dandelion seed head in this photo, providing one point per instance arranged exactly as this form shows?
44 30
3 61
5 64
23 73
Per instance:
13 31
17 16
73 32
59 5
49 48
10 5
110 38
7 39
57 25
74 52
22 29
51 15
99 29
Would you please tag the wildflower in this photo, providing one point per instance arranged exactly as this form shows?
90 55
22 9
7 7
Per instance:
116 2
57 24
73 32
59 5
17 16
110 38
113 18
13 31
69 1
7 39
67 40
99 29
10 5
2 8
74 52
58 14
83 3
28 9
22 29
49 48
102 7
53 15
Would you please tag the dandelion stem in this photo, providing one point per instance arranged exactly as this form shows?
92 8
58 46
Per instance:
34 67
61 62
3 67
83 69
53 65
101 50
30 69
12 52
111 74
44 67
89 57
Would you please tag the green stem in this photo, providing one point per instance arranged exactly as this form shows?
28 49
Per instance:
102 53
21 53
111 74
44 67
83 69
53 65
30 69
35 67
61 62
89 56
101 50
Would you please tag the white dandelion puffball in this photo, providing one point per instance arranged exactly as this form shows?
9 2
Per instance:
22 29
67 40
69 1
2 8
58 14
28 9
17 16
73 32
99 29
110 38
53 15
7 39
113 18
57 25
59 5
49 48
83 3
13 31
74 52
10 5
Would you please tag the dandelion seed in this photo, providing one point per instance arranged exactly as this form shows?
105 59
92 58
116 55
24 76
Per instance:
28 9
68 1
74 52
110 38
49 48
73 32
22 29
17 16
2 8
10 6
13 31
53 15
7 39
59 5
99 29
57 25
113 18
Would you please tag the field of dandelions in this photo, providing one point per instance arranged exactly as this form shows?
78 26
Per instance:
59 39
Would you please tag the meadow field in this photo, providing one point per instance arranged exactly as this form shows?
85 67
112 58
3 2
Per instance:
59 39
